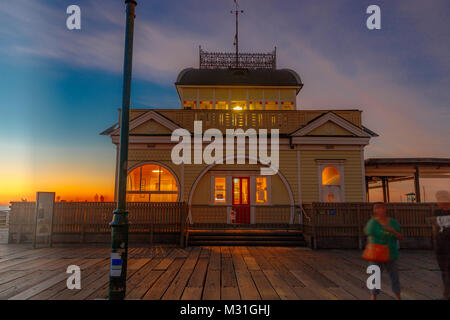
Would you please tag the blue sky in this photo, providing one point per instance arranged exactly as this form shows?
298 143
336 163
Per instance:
60 88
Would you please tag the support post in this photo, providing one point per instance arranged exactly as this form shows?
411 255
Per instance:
119 224
417 185
367 190
388 194
383 183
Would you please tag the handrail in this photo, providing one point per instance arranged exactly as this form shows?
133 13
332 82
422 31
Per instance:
305 214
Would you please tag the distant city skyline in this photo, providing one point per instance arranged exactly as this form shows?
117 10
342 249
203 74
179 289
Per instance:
59 89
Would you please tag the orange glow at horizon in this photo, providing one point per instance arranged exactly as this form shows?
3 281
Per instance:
70 178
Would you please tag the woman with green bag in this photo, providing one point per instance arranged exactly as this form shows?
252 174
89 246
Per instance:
383 234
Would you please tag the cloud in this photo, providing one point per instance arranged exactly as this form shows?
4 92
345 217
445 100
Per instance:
342 67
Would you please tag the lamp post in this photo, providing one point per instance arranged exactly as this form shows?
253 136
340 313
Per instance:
119 224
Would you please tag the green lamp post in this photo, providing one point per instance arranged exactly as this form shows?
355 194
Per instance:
119 224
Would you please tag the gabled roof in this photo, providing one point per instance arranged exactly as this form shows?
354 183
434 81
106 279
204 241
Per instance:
336 119
145 117
250 77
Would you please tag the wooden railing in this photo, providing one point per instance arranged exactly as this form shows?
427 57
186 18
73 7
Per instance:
332 224
4 219
286 121
78 221
214 216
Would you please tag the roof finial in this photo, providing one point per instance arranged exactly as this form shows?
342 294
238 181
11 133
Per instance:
236 37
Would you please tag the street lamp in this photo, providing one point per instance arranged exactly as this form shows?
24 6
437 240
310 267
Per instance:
119 224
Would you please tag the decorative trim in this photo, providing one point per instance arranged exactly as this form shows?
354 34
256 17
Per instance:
330 116
150 115
331 140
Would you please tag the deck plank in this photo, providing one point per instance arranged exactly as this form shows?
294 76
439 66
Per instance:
194 273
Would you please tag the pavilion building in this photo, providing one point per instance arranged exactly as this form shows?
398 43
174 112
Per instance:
321 152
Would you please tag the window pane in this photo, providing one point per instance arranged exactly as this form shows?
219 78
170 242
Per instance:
157 197
331 177
205 105
287 105
245 191
168 182
219 190
271 105
222 105
189 104
150 177
236 191
255 105
143 197
261 190
238 105
133 180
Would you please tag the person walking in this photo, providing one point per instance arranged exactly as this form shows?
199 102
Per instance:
383 234
441 228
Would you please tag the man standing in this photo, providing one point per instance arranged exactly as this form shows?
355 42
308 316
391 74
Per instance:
441 229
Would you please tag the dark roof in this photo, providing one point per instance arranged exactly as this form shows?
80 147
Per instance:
443 162
252 77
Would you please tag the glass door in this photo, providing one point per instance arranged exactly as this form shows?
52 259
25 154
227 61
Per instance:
241 200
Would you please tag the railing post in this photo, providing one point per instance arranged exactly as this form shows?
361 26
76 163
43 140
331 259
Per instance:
313 222
433 238
358 216
152 222
182 224
82 228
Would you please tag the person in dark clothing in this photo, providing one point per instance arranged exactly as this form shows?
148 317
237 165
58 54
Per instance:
441 228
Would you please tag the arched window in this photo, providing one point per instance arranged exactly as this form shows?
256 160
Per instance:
151 183
331 176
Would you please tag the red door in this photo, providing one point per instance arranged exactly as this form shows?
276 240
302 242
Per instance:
241 199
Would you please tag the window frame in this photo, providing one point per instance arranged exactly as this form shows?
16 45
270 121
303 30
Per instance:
139 166
339 165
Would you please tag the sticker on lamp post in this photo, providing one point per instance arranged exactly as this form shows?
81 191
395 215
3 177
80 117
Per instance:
116 264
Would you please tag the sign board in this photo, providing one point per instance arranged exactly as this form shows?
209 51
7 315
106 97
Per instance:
44 218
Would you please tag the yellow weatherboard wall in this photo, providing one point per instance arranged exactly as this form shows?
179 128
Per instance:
352 173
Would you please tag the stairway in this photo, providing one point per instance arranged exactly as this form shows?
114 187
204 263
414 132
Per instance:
246 237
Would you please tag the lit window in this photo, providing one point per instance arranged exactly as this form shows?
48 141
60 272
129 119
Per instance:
261 190
222 105
219 190
238 105
272 105
205 105
189 104
331 177
152 183
255 105
287 105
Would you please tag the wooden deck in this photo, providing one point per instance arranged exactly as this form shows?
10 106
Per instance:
210 273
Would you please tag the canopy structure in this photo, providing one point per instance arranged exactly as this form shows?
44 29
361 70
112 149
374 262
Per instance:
387 170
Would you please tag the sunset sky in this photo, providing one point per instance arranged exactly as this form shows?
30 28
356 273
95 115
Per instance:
59 89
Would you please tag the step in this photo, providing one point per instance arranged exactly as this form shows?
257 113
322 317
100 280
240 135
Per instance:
272 243
247 233
244 237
